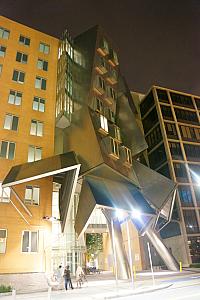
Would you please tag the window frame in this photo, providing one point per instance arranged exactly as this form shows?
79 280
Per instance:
7 149
29 247
5 240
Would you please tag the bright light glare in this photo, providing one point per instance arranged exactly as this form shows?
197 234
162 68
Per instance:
120 214
136 214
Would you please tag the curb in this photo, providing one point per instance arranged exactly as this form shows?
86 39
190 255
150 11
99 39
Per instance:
139 292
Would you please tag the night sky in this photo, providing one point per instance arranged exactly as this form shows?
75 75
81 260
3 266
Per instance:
158 40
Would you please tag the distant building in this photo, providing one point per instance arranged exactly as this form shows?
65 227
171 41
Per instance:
171 124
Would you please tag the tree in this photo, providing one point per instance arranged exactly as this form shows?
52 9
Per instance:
94 243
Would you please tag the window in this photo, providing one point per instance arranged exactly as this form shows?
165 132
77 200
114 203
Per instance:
186 115
194 172
105 45
39 104
190 221
147 104
18 76
7 149
194 246
2 51
36 128
21 57
197 100
183 100
164 170
99 105
11 122
15 97
32 195
180 171
175 150
190 133
185 195
162 95
114 147
40 83
4 194
111 93
154 137
166 112
42 64
104 123
111 115
24 40
30 241
197 194
44 48
4 33
171 130
157 157
34 153
101 83
150 120
192 152
125 154
3 238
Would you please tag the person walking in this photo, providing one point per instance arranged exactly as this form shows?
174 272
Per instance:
67 277
79 276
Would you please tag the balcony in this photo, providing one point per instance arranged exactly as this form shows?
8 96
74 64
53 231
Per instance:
125 156
112 147
63 120
101 69
99 86
103 48
113 59
115 133
112 77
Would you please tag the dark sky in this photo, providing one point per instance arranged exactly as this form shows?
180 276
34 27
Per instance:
158 40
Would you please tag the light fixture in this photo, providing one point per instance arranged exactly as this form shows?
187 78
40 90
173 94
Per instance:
136 214
120 214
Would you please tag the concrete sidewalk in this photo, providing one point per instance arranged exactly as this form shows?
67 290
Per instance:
96 288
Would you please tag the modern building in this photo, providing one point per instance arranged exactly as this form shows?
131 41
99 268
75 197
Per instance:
69 148
171 124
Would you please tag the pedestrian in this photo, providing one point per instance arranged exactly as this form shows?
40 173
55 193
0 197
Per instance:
79 276
67 277
59 274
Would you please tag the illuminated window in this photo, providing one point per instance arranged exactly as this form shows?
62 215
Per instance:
104 123
40 83
34 153
4 33
3 238
11 122
29 241
2 51
114 147
36 128
42 64
7 149
32 195
39 104
44 48
15 97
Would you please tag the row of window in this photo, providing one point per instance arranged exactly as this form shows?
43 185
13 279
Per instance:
181 115
23 58
7 151
15 98
29 241
31 196
11 123
100 83
23 40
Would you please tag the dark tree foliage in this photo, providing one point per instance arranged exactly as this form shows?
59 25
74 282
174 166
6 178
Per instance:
94 242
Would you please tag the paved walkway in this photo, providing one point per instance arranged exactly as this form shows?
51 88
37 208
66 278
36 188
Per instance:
103 286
